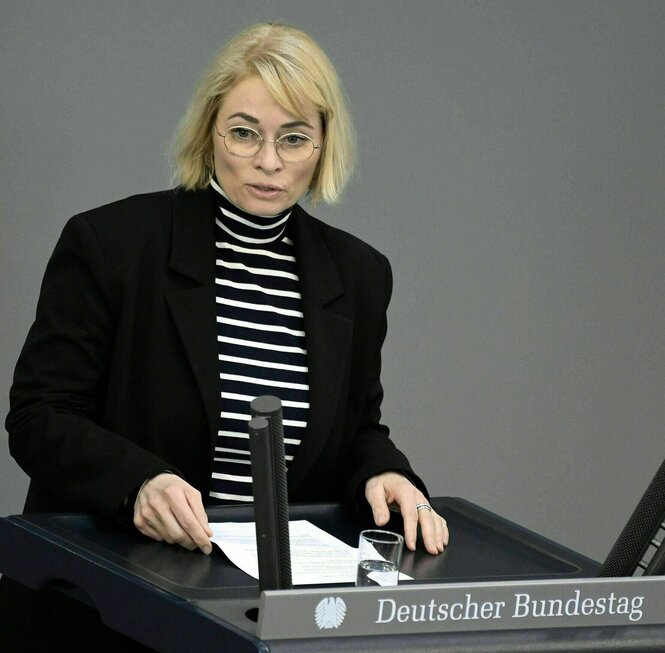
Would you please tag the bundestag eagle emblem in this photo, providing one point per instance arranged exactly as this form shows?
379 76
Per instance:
330 612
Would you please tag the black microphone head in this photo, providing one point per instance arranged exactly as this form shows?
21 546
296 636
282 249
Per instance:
258 425
266 405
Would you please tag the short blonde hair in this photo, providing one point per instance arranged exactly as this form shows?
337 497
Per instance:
295 71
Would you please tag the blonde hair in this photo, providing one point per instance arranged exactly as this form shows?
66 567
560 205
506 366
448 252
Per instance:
296 71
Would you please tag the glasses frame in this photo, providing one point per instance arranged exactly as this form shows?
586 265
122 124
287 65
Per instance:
266 140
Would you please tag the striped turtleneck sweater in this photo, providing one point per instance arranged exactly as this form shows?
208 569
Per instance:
260 338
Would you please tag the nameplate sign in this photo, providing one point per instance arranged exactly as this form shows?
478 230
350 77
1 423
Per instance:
506 605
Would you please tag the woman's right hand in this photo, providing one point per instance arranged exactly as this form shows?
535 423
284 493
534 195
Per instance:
169 509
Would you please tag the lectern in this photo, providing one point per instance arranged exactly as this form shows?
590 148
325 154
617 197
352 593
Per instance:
202 603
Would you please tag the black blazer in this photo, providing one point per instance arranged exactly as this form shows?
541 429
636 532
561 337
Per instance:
118 379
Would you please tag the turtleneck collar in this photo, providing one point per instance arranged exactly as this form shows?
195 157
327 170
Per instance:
246 228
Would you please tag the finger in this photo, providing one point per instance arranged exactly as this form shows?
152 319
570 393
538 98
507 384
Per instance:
188 523
434 529
410 517
430 528
376 497
441 529
171 530
199 512
444 531
194 521
163 528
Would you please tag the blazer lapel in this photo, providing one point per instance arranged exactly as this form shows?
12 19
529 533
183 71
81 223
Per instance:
328 335
192 303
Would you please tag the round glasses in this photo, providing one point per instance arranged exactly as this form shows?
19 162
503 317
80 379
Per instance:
246 142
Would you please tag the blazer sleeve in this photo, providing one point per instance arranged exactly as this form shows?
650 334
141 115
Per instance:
373 451
54 423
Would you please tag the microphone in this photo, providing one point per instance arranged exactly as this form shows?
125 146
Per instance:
640 535
271 505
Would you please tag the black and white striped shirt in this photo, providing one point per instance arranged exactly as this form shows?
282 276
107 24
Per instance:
260 338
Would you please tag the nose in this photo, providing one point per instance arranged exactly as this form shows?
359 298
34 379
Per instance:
267 158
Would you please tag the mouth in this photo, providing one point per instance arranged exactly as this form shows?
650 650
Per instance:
267 188
266 192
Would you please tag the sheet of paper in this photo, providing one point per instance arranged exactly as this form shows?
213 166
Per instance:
317 557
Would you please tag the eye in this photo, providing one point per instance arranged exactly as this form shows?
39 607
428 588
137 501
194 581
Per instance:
243 134
293 141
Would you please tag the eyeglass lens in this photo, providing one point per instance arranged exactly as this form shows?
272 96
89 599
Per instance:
245 142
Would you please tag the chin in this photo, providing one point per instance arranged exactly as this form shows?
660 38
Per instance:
264 207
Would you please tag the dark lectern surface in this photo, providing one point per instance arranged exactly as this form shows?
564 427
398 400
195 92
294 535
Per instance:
198 602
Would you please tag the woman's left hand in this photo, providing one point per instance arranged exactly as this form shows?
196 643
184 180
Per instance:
391 488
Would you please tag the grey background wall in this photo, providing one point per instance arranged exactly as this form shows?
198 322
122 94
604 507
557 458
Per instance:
511 168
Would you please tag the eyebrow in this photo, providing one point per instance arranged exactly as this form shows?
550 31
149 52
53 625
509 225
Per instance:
286 125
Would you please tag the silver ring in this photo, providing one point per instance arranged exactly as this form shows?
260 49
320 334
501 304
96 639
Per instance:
423 506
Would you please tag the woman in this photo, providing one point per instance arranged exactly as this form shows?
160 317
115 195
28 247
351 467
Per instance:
162 315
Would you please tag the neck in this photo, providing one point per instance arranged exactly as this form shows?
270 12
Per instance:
247 228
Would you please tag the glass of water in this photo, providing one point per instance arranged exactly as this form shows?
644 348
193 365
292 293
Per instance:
379 558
